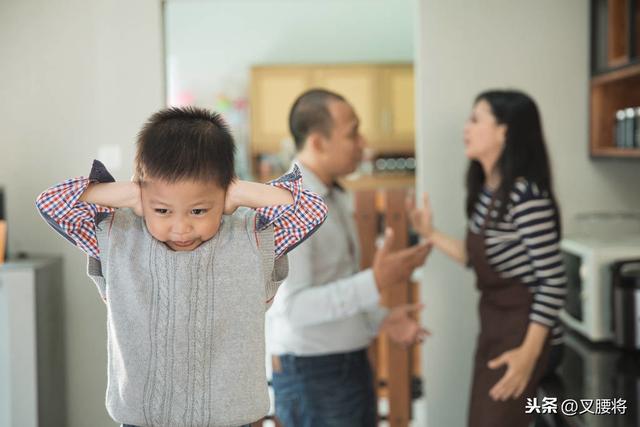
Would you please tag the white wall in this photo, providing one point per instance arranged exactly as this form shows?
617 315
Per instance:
211 45
463 48
75 75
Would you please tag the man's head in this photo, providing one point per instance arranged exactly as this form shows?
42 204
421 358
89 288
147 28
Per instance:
184 165
326 131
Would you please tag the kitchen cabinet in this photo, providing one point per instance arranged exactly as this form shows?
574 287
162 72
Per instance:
273 91
382 95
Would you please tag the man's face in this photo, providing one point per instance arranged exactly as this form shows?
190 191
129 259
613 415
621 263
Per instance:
343 149
183 214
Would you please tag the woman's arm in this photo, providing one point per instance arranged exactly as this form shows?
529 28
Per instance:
451 246
422 221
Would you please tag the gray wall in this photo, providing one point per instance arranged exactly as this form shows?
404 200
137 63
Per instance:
462 48
75 75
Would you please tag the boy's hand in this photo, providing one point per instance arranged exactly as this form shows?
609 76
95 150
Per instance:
136 199
230 199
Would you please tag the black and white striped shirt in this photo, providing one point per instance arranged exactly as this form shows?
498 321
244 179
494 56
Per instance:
525 245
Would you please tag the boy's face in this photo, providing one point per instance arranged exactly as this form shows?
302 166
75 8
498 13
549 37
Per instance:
183 214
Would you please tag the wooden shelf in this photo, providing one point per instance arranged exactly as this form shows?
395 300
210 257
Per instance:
616 74
615 152
619 86
378 182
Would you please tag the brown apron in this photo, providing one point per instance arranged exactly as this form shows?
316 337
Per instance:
504 310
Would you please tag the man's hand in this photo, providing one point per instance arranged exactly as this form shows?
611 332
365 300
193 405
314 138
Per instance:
401 328
390 267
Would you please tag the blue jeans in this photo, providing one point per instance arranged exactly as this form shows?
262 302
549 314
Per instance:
325 391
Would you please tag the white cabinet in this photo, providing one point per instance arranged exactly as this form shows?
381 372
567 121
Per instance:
32 374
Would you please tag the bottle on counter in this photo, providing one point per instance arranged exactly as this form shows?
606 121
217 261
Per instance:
637 129
620 129
629 127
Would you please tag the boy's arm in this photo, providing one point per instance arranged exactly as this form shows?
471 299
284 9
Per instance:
65 211
294 212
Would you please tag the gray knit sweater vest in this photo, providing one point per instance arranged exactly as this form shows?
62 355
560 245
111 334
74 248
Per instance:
186 329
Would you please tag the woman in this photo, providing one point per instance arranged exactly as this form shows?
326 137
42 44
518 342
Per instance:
512 244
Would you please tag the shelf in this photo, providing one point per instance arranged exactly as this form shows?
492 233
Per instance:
615 152
612 76
615 44
380 181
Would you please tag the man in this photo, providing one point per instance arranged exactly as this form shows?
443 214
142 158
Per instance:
327 312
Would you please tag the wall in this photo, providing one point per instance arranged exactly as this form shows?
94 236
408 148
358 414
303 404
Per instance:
211 45
75 76
462 48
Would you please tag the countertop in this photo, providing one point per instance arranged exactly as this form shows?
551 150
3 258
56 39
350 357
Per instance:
592 372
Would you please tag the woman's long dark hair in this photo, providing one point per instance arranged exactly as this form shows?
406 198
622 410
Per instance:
524 154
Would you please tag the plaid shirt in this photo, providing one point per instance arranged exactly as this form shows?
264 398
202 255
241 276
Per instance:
76 220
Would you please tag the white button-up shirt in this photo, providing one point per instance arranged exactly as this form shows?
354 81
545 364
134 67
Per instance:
326 305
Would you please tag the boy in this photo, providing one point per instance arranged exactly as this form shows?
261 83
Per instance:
185 311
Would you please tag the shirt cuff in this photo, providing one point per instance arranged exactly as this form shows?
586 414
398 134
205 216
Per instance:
99 173
366 291
292 182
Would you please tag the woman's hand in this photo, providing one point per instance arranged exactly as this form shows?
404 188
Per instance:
520 363
421 218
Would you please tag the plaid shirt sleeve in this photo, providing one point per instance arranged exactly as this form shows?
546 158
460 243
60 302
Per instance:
73 219
295 222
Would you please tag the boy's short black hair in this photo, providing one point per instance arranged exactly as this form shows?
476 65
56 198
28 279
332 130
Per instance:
186 143
310 113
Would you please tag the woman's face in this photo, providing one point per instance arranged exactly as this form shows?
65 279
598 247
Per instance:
483 136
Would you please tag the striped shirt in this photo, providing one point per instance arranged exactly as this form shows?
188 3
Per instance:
76 220
525 245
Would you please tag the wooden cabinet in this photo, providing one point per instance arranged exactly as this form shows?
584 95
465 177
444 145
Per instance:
615 72
360 85
398 115
273 91
382 95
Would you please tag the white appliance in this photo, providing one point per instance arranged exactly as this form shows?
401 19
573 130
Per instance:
32 374
588 261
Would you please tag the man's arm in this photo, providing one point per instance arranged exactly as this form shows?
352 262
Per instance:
304 304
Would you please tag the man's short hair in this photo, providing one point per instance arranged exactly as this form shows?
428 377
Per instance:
186 143
310 113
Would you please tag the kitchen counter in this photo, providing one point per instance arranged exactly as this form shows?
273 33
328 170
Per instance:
593 372
379 181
